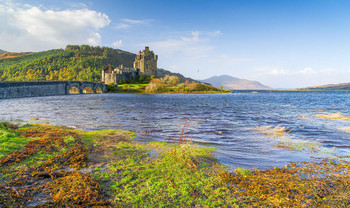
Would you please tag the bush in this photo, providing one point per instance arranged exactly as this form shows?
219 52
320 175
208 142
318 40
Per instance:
155 85
111 87
144 79
126 87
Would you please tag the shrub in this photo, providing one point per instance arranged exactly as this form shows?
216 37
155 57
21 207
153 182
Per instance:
155 85
144 79
126 86
110 87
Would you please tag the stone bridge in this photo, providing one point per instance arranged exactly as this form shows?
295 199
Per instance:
47 88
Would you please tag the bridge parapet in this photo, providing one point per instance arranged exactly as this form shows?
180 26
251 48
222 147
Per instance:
44 88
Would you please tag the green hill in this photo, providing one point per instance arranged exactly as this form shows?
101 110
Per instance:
74 63
163 72
2 51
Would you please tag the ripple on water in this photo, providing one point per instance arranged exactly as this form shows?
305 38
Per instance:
224 122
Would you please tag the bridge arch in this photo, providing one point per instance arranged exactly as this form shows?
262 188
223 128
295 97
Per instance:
98 90
73 90
87 90
73 85
46 88
87 87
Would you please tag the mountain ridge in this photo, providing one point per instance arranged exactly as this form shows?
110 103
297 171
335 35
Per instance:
232 83
340 86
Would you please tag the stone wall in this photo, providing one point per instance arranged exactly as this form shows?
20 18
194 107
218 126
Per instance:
145 64
38 89
128 75
108 75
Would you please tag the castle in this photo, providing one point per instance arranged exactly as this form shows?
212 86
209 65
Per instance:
145 64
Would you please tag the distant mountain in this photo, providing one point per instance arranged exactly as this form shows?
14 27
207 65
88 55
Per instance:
341 86
2 51
233 83
162 72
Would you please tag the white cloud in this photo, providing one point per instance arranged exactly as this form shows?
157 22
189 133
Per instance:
77 5
135 22
128 23
94 39
215 33
190 47
122 26
31 28
307 70
117 43
194 38
272 71
187 53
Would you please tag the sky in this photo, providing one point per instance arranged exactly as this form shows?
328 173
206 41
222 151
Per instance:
280 43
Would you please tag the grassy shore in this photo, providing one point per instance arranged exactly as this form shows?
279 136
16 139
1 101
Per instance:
161 86
142 89
47 166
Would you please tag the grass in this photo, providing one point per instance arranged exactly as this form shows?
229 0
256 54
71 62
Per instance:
62 167
132 86
10 142
180 176
166 88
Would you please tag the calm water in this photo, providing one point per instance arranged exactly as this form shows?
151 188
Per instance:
225 122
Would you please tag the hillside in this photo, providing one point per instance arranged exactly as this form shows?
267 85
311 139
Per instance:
8 55
74 63
233 83
163 72
341 86
2 51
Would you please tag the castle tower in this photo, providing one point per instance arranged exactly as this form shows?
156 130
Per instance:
146 62
108 75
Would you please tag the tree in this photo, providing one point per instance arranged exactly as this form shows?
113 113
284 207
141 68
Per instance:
173 80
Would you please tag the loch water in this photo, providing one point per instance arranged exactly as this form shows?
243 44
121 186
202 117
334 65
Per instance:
226 122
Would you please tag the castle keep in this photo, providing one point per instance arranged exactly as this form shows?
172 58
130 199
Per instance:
146 61
145 64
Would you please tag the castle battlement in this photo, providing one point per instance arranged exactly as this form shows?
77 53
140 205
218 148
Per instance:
146 61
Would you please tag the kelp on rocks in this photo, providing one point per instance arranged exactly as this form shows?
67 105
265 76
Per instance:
54 180
62 167
308 184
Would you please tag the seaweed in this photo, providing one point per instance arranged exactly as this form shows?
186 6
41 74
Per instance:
62 167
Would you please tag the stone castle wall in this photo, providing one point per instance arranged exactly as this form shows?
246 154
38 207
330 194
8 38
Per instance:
146 61
145 64
108 75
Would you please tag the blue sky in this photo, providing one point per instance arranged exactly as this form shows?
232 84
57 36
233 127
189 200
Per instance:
283 44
